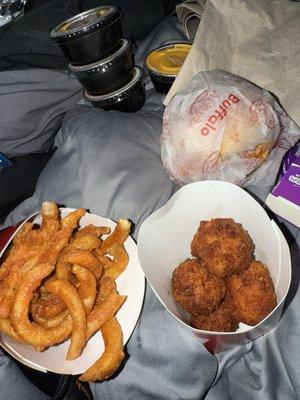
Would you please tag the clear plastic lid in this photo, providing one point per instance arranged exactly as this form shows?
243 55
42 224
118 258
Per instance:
85 22
167 60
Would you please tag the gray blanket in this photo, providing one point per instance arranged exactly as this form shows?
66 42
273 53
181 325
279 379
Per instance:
109 163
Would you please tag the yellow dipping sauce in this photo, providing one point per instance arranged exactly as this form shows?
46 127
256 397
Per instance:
168 59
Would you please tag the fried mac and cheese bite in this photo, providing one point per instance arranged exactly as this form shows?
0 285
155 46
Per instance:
219 320
196 290
222 246
251 295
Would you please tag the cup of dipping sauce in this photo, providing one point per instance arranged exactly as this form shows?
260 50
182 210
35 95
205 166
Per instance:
129 98
164 63
106 75
90 35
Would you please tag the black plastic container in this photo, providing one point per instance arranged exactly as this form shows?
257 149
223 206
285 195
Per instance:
165 68
89 36
108 74
162 84
128 99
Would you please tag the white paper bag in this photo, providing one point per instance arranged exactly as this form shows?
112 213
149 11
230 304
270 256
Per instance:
258 40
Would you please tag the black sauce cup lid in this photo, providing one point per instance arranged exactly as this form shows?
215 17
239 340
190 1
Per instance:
82 71
85 23
109 99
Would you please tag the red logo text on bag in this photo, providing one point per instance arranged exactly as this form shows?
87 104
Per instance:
219 114
260 109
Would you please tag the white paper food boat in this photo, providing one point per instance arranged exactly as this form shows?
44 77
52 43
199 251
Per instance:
164 241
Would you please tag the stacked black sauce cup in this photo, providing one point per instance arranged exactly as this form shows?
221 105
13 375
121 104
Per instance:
101 59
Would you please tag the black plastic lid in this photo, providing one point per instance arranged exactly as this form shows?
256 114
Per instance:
121 94
81 71
84 23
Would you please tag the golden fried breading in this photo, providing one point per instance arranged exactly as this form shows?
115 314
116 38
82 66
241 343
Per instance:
39 246
222 246
251 295
195 289
219 320
47 306
92 229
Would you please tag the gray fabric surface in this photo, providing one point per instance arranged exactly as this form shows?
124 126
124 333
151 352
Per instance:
109 162
32 104
103 156
14 385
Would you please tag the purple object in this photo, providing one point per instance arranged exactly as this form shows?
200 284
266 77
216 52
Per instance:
292 156
289 185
